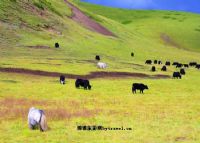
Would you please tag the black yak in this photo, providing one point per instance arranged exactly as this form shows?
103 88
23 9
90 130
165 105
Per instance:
182 71
198 66
186 65
83 83
148 62
153 68
192 64
175 63
139 86
179 65
57 45
97 58
167 63
62 79
164 68
159 62
176 75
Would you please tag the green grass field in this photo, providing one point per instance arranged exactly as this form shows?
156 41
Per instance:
166 113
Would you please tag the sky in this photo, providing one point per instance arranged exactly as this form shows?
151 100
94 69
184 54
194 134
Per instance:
178 5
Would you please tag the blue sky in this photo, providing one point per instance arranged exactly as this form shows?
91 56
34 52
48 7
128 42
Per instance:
179 5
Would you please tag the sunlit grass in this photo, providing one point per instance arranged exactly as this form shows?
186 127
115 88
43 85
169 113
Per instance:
166 113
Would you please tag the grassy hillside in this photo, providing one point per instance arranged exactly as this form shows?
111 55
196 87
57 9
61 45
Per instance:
34 26
182 28
166 113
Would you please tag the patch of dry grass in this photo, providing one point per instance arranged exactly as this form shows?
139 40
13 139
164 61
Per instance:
13 108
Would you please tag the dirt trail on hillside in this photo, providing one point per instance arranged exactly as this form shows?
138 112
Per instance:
91 75
168 40
86 21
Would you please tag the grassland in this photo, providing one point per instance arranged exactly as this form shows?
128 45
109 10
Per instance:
167 113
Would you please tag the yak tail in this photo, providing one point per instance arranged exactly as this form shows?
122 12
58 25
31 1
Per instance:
43 123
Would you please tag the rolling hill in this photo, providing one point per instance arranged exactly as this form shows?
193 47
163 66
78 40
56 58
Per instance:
28 26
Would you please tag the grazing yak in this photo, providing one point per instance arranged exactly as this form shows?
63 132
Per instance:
62 79
175 63
164 68
57 45
139 86
182 71
97 58
132 54
155 62
167 63
159 62
179 65
101 65
83 83
149 62
37 119
176 75
198 66
153 68
186 65
192 64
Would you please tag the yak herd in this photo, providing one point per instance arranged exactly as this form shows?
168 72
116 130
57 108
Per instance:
37 118
176 64
84 83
